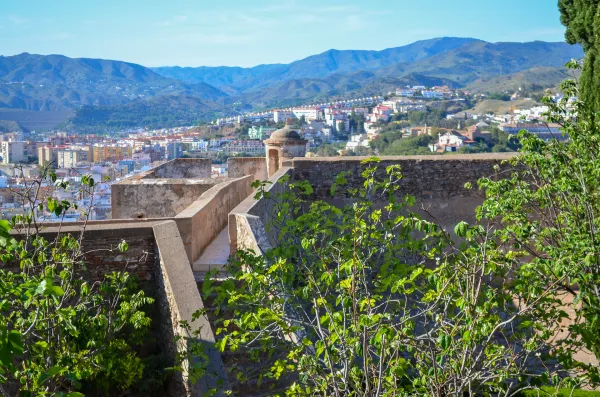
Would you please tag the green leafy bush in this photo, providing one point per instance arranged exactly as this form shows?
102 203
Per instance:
371 299
61 334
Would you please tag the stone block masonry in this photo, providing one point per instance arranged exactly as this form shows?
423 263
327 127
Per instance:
162 192
179 299
437 182
205 218
100 244
247 221
256 167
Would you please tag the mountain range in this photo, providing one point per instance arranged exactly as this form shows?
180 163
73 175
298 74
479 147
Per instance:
86 87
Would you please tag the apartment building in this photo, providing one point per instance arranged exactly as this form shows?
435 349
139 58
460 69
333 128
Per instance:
103 152
280 116
69 158
173 150
309 114
12 152
46 155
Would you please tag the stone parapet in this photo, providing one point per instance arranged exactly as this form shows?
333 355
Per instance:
179 300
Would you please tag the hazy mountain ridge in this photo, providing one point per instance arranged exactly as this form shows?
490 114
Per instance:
457 66
54 82
315 66
57 83
481 59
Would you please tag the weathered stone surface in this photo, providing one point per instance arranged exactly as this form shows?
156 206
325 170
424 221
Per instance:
206 217
437 182
156 198
241 166
183 168
262 209
100 245
422 175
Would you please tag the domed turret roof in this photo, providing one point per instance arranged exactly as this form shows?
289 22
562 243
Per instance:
286 133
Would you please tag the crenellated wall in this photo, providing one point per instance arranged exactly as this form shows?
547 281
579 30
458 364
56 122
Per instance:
194 208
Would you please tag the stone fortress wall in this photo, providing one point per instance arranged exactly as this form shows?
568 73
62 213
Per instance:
187 210
437 182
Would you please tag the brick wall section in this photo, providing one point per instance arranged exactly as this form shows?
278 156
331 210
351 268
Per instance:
425 177
437 182
100 244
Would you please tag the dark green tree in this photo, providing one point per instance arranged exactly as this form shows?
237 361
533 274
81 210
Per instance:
582 19
341 128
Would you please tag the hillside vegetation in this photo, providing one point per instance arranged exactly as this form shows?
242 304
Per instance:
530 80
160 112
502 107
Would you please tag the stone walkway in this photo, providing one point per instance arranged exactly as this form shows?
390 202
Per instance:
215 255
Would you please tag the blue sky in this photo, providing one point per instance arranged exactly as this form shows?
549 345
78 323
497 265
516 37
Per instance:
251 32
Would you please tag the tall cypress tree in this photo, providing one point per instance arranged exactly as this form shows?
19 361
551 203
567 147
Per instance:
582 19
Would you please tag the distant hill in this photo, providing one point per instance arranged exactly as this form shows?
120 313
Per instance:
502 107
160 112
11 126
336 86
57 85
480 59
53 82
32 120
456 62
474 64
316 66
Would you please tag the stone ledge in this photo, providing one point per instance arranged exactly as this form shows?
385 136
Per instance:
184 300
448 157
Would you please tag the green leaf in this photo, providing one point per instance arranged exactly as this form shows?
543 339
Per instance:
5 226
52 372
41 288
123 246
461 229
